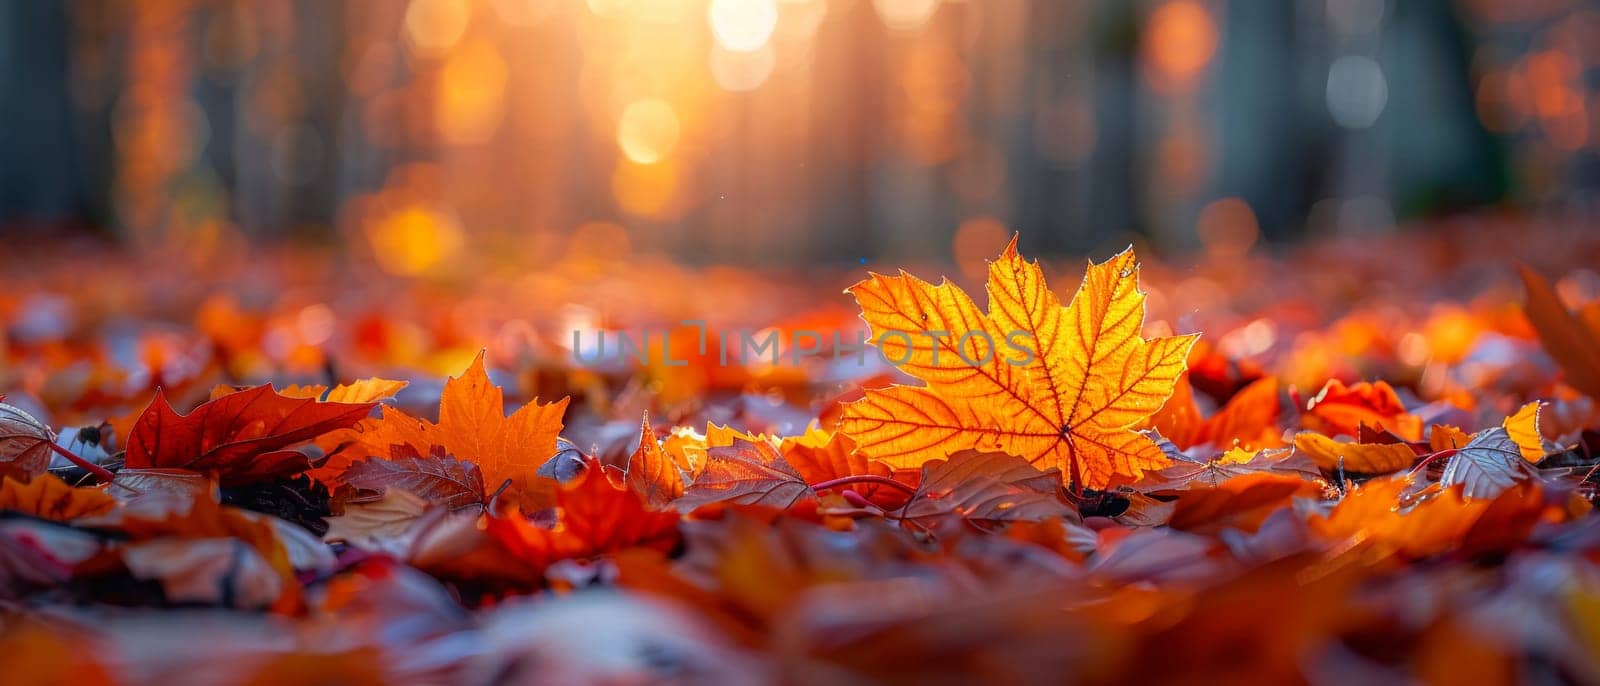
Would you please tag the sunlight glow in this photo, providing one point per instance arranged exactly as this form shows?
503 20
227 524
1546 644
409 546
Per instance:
414 240
647 131
905 15
434 26
743 25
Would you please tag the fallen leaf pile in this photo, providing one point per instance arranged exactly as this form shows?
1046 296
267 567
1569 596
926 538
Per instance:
1033 484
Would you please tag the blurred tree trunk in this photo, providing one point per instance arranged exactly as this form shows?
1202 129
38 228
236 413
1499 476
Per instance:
47 175
1272 144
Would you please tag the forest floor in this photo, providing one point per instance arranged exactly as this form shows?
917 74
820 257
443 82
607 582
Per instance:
1372 458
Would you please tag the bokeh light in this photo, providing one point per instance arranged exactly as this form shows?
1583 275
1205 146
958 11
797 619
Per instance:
415 239
471 94
977 241
433 26
794 127
647 130
743 25
905 15
1180 41
524 12
644 189
1227 228
742 71
1357 91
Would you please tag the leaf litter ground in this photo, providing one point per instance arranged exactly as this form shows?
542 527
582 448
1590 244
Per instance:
1323 465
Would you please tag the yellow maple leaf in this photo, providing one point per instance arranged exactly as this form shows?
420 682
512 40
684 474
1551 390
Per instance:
1061 386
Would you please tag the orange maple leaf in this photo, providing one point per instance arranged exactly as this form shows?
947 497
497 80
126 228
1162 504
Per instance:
473 427
1072 404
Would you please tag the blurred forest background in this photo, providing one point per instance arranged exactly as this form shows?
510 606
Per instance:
760 131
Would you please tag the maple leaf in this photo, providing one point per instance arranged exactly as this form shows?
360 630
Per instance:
1073 406
48 497
455 546
436 478
595 517
239 438
746 473
472 426
765 568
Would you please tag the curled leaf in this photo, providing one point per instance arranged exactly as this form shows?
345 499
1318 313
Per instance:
1342 410
1362 458
746 473
1523 429
652 473
993 487
1250 418
24 441
821 457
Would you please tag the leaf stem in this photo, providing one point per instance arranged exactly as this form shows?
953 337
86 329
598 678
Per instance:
1441 455
99 472
496 494
863 479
